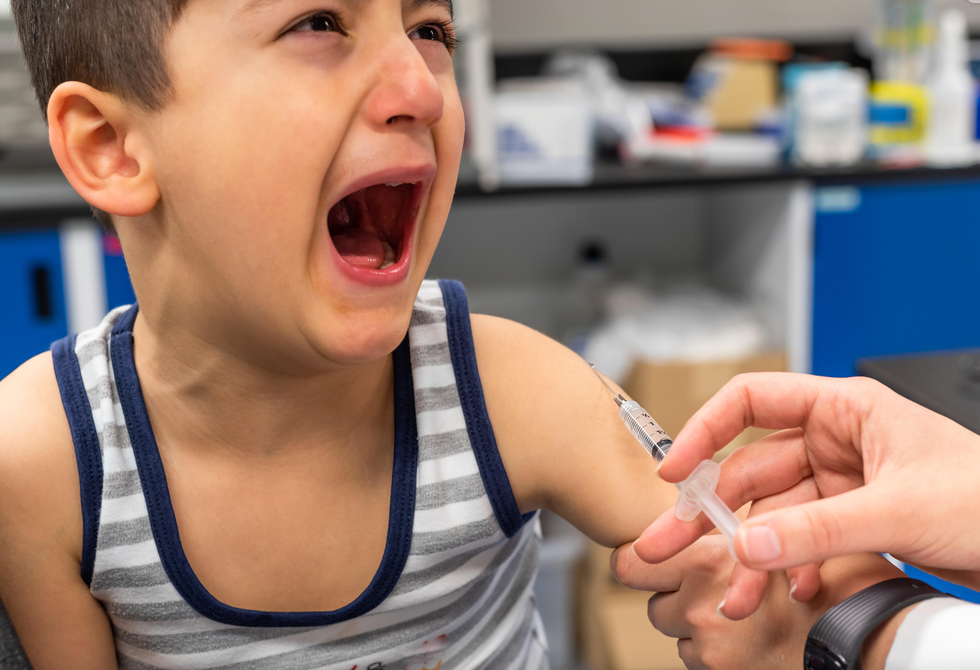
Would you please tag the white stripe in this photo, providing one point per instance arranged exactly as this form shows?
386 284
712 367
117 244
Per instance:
126 508
437 470
430 291
95 369
108 410
428 334
434 376
126 556
142 595
441 421
118 460
418 562
449 516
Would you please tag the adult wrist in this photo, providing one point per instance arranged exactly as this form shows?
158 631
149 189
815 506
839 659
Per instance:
836 640
879 642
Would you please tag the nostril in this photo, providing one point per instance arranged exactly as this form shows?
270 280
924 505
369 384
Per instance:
395 119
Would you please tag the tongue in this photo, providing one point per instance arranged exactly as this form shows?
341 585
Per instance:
360 248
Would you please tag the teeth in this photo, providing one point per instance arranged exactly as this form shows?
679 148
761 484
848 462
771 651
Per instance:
392 185
386 264
389 253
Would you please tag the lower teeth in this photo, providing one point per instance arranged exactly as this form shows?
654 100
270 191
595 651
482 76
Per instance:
389 256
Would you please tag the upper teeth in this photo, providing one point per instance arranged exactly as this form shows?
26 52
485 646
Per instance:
392 184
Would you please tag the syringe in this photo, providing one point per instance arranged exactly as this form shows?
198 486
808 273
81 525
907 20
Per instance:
697 492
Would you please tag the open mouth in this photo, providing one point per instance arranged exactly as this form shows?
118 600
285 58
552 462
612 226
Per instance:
369 227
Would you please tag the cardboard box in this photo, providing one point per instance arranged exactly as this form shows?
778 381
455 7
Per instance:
614 632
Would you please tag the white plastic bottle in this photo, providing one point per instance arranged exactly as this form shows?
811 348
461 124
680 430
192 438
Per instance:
953 97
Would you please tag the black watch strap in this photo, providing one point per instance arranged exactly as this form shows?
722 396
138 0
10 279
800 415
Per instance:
835 640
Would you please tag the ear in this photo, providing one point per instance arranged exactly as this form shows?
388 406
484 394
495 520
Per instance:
105 160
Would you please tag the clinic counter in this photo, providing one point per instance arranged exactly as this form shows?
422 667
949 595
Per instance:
33 190
614 176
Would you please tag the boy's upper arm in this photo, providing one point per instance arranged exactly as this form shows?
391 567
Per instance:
560 436
58 621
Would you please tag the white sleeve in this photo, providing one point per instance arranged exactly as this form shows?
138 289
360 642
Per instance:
938 633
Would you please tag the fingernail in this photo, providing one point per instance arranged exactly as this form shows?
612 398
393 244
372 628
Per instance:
792 590
760 544
633 549
721 615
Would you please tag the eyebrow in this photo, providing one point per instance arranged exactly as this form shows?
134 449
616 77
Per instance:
412 4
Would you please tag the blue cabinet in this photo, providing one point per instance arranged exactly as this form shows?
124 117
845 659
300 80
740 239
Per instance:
896 270
118 288
32 296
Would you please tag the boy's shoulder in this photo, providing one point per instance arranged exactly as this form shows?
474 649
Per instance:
39 490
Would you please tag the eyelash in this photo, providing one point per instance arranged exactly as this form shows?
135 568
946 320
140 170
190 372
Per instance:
446 33
445 28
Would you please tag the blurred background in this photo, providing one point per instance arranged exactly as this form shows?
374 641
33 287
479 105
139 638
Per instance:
679 191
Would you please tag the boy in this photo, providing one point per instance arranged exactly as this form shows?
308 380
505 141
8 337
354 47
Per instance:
257 468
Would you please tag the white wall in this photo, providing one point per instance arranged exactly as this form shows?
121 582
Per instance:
520 25
4 8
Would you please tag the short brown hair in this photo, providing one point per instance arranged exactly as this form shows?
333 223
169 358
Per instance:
115 46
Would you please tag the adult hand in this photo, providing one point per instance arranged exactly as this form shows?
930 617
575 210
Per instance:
690 586
890 476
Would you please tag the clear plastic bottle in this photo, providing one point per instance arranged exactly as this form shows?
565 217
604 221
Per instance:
953 96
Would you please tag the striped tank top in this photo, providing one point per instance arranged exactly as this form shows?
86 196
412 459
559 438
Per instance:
454 588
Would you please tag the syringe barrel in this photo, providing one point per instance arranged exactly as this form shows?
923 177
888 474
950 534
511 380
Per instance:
649 433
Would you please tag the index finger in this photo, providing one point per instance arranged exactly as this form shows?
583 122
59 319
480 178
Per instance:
773 400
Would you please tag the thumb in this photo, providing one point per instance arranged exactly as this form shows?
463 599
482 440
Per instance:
849 523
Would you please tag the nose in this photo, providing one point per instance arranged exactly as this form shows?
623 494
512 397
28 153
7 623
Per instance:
407 92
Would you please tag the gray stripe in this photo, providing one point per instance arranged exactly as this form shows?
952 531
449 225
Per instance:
431 543
212 640
519 643
430 354
449 491
176 610
430 399
91 350
443 444
426 317
121 484
118 533
129 578
416 580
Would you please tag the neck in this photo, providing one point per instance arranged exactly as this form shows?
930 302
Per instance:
201 396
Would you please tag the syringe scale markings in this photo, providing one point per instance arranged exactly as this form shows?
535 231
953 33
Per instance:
697 492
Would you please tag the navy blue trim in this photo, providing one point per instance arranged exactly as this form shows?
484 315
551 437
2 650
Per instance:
88 454
164 523
478 426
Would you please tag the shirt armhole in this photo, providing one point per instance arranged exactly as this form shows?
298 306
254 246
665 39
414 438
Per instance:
474 406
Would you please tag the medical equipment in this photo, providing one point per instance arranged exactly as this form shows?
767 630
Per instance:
697 492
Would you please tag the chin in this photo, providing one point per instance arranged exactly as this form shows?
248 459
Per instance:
363 339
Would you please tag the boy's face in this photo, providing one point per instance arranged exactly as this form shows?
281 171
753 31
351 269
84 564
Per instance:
306 166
